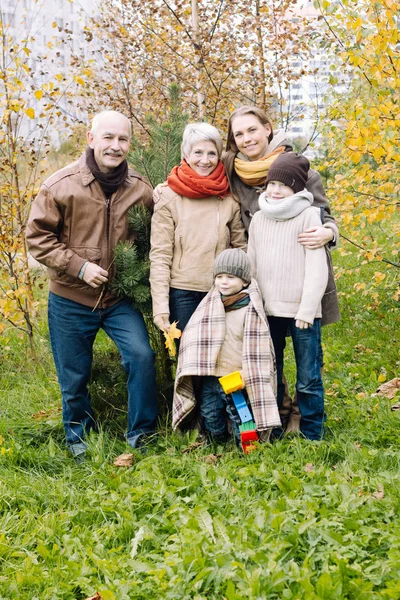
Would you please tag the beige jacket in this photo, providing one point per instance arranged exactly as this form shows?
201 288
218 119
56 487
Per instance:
69 224
186 236
230 357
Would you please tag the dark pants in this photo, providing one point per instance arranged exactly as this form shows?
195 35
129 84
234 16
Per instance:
182 304
214 408
73 329
309 387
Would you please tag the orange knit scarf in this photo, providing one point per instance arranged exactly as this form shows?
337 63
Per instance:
186 182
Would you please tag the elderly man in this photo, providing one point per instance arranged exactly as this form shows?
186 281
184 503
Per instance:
78 217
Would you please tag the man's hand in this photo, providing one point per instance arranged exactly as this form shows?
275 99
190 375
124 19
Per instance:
162 321
94 275
315 237
302 324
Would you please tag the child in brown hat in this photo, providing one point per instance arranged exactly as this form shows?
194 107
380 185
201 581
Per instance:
292 280
227 332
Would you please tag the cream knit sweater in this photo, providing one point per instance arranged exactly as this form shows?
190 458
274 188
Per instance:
292 279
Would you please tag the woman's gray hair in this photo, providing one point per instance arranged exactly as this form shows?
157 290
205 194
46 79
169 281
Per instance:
200 132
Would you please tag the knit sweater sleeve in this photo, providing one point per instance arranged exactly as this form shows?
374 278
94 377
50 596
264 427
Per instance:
315 277
315 186
161 253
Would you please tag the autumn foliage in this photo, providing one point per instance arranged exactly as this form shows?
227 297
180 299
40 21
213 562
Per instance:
362 138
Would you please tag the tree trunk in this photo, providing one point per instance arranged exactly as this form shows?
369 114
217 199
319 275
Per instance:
199 59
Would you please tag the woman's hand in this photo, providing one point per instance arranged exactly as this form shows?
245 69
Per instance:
162 321
302 324
316 237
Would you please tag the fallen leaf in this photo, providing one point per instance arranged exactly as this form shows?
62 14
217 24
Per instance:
193 447
124 460
97 596
172 334
42 414
389 388
309 468
379 494
211 459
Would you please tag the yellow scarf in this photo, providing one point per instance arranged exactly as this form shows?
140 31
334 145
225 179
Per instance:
254 172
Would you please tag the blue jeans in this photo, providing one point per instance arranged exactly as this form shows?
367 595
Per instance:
214 407
182 304
309 387
73 328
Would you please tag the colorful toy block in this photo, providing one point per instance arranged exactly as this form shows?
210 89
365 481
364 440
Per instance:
241 406
232 382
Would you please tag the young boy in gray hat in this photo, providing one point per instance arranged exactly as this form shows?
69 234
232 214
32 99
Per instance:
228 332
292 280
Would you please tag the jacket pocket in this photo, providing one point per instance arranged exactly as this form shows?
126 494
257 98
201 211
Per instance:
88 252
181 250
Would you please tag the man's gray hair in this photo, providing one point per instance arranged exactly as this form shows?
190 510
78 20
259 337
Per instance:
100 116
200 132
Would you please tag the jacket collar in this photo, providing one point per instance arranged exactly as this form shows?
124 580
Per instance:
88 177
86 174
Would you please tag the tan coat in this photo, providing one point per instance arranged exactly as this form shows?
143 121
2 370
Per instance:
230 357
186 236
69 225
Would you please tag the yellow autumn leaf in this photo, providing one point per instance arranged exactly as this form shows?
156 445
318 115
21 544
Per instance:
30 113
381 378
170 335
38 94
379 276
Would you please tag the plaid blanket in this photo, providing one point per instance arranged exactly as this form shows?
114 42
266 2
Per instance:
200 344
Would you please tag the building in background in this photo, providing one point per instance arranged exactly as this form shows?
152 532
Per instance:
306 97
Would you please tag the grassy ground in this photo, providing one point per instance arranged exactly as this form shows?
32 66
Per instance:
297 519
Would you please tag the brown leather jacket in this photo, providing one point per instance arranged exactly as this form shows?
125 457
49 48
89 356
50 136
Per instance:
70 224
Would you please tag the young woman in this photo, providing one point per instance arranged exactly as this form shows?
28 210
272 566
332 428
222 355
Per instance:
252 146
195 218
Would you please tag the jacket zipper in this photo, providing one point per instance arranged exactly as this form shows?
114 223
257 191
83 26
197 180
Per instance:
218 221
108 210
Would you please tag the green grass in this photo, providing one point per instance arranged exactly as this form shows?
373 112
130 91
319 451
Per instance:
297 519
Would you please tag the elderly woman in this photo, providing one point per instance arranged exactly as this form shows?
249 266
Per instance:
252 146
195 218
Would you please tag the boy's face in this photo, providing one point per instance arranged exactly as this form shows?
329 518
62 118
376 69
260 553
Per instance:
228 284
277 191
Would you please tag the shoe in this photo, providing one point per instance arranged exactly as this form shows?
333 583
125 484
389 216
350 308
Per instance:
141 441
78 451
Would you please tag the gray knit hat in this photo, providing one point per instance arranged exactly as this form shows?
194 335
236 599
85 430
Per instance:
290 169
234 262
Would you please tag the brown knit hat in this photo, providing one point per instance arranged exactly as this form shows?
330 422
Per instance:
235 262
290 169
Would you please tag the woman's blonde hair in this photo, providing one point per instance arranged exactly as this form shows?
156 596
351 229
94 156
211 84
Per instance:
259 113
